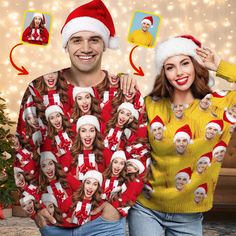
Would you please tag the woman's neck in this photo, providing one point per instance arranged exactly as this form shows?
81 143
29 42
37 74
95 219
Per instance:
182 97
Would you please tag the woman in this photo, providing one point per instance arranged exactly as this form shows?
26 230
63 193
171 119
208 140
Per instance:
182 79
36 33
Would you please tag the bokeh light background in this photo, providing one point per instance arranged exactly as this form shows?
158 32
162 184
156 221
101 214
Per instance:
211 21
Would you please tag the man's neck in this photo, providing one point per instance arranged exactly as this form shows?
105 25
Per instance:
84 79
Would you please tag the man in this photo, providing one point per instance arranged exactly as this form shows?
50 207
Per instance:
142 36
86 34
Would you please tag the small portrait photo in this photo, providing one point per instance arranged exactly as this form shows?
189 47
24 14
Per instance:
36 28
144 28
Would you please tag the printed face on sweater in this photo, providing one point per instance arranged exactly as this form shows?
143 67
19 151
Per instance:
198 196
205 102
202 164
181 145
158 133
55 119
129 97
124 116
32 120
50 207
20 180
114 80
16 144
219 155
87 135
28 206
37 21
132 168
118 165
180 72
90 187
51 80
180 181
211 132
48 168
145 26
85 50
84 101
178 110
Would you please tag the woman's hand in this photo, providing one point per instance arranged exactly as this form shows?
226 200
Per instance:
128 84
209 58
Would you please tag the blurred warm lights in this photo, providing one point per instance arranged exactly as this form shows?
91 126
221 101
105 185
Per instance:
212 21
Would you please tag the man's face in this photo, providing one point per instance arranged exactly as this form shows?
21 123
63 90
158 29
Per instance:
180 182
211 132
158 133
198 196
178 110
145 26
201 166
181 145
219 155
85 50
205 102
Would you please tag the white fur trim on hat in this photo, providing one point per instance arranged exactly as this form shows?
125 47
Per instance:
204 158
182 135
146 21
26 198
201 190
29 110
183 174
129 106
217 149
118 154
157 125
85 24
47 156
137 163
215 125
94 175
173 47
87 120
230 117
77 90
51 109
49 198
17 170
38 14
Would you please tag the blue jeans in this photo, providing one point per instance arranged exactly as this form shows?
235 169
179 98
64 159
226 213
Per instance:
144 221
98 227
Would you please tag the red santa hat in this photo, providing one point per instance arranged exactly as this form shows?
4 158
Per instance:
157 122
185 45
220 94
53 108
129 106
202 188
228 117
26 198
148 20
118 154
138 164
184 132
206 157
218 124
47 156
77 90
87 120
219 146
185 173
49 198
94 17
94 175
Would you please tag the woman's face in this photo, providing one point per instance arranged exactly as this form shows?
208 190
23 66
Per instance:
180 72
32 121
132 168
124 116
16 143
87 135
118 165
48 168
84 101
114 80
51 80
50 208
55 119
90 187
129 97
20 180
201 166
28 206
37 21
180 182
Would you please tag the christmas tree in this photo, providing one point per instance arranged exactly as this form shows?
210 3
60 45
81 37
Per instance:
7 183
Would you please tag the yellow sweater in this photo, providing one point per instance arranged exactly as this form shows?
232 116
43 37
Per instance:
141 38
186 160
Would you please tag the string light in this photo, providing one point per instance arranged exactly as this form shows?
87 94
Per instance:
214 27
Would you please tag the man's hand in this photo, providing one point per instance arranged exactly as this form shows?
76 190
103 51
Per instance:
108 212
42 217
128 84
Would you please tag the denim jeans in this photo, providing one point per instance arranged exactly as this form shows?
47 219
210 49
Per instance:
98 227
144 221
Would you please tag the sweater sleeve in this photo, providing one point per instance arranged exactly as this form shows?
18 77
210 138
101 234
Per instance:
227 71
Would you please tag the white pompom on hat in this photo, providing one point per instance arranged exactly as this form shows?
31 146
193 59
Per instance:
185 44
94 175
95 17
88 120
